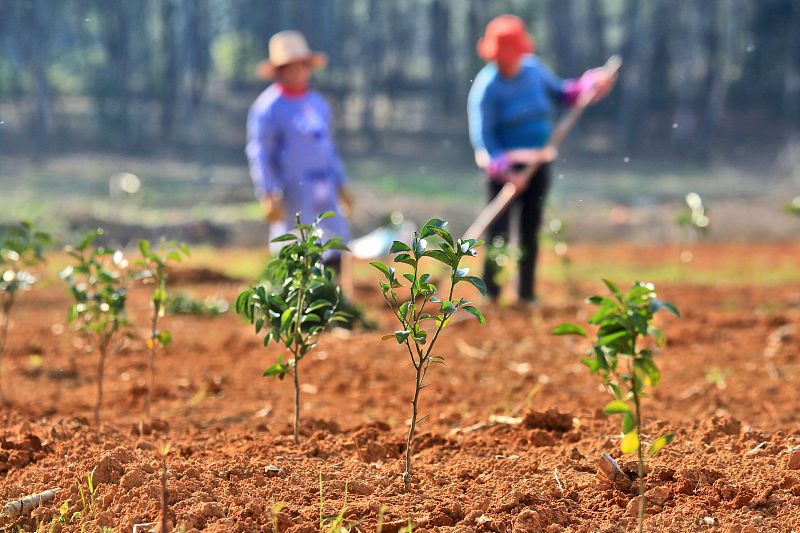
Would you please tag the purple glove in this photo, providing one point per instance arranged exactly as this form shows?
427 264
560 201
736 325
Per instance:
498 167
575 87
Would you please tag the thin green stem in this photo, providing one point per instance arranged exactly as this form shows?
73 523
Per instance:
153 341
8 301
296 350
100 369
636 403
414 403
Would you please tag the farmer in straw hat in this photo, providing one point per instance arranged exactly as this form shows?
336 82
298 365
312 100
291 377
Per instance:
510 105
294 163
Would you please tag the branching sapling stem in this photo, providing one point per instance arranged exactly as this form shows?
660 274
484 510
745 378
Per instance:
297 301
411 313
621 322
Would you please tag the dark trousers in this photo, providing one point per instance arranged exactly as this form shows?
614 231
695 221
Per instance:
528 208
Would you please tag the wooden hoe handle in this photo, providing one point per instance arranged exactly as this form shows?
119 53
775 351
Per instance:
500 203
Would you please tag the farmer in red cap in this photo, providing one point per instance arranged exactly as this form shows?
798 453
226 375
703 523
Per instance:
510 109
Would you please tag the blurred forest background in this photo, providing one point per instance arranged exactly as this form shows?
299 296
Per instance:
702 81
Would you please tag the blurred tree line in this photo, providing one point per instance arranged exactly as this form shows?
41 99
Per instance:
699 75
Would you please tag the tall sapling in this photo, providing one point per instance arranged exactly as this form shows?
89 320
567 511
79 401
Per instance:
298 302
155 265
622 321
20 247
411 313
98 282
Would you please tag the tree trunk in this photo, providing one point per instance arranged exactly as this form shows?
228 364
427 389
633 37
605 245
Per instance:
636 55
596 31
721 48
36 50
684 126
562 36
791 76
442 61
169 74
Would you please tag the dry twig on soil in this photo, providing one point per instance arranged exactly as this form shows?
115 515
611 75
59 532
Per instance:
27 504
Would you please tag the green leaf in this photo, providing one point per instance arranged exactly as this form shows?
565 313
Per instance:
387 271
318 304
439 256
326 214
144 247
435 226
242 300
286 318
628 423
164 338
616 407
398 246
630 443
569 329
659 443
388 336
657 335
474 311
403 310
647 371
613 288
279 369
419 246
606 340
447 308
285 237
401 336
405 258
476 282
671 308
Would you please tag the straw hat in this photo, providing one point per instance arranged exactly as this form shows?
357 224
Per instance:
505 36
286 47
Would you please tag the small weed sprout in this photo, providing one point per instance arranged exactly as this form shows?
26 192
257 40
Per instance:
89 510
622 321
411 313
300 303
155 265
333 524
98 283
184 304
20 247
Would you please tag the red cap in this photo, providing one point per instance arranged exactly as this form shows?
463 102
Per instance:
506 38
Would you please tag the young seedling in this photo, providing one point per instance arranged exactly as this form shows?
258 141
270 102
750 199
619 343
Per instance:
20 247
556 238
412 313
695 218
98 283
155 265
624 367
298 303
793 207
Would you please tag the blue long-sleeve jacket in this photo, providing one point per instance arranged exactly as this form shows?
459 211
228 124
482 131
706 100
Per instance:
513 113
291 151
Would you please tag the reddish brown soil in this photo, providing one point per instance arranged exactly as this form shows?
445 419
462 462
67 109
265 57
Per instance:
512 443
